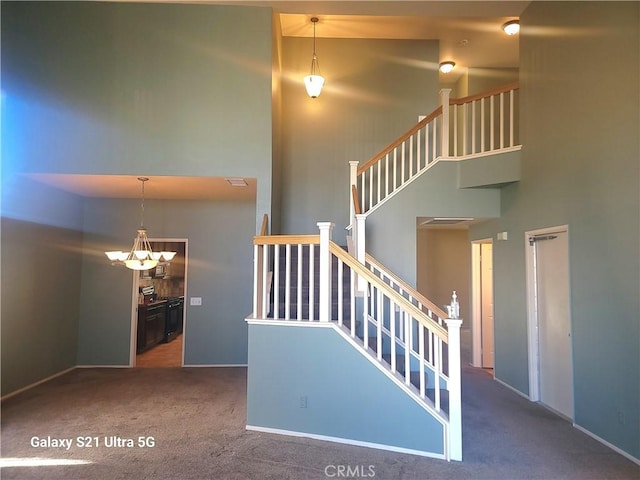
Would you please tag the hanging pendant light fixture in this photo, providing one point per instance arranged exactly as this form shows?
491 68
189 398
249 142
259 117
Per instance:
314 81
141 256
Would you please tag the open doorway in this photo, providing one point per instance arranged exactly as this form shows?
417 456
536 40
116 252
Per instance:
158 324
482 303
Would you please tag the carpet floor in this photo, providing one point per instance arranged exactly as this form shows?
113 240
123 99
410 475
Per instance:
190 423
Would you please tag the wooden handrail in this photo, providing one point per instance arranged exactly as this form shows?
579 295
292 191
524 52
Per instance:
488 93
285 239
438 111
363 271
405 136
263 228
409 289
356 201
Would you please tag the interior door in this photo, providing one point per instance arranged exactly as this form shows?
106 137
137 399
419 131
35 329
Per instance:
486 279
554 321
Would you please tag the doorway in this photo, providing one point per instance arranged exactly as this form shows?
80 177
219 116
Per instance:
549 318
482 303
158 320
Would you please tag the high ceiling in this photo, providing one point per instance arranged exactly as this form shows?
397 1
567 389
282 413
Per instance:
468 31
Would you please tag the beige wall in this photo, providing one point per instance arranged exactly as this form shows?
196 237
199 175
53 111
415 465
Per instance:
444 265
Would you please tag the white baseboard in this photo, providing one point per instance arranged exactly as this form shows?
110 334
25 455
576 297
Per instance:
515 390
611 446
218 365
345 441
39 382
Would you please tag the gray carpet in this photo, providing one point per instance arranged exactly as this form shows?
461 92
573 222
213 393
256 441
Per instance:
197 417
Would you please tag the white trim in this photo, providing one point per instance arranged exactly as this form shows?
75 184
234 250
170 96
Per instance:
217 365
35 384
471 156
513 389
607 444
532 309
345 441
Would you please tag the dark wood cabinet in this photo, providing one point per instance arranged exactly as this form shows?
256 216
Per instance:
151 325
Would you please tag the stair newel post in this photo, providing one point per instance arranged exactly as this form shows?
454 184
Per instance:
455 397
444 101
326 231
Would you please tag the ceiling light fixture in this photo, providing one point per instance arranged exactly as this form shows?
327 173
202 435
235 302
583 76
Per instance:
511 27
446 67
141 256
314 81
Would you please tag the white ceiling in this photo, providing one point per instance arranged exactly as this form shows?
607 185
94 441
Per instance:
469 34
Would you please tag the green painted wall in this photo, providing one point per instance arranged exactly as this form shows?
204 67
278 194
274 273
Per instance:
137 89
220 271
338 390
41 244
374 92
580 127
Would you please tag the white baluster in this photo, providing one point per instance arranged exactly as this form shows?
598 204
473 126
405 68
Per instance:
287 283
276 282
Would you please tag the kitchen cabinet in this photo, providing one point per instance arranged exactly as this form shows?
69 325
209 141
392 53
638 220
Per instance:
151 325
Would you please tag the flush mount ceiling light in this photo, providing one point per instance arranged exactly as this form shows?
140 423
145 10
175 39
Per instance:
446 67
512 27
141 256
314 81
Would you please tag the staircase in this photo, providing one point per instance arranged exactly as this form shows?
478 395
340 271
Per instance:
307 281
340 348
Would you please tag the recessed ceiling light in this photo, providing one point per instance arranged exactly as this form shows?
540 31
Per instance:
446 67
236 182
511 27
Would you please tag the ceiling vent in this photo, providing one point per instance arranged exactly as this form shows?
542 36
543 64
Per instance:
444 221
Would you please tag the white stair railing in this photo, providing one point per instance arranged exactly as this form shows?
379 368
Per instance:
476 125
394 326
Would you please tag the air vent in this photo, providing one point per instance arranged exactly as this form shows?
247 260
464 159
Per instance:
445 221
236 182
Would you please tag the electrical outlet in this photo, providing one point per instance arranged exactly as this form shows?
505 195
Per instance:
303 401
195 301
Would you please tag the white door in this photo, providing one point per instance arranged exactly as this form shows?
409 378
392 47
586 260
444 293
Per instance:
554 321
486 279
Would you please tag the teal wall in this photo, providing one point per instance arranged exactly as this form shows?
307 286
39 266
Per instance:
114 88
434 194
374 92
580 127
220 271
40 251
290 362
129 89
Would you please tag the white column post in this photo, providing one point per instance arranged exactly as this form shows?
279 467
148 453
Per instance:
455 398
326 229
444 101
353 180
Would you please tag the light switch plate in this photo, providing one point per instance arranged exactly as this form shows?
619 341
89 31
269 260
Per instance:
195 301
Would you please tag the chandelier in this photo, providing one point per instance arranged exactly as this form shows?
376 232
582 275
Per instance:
314 81
141 256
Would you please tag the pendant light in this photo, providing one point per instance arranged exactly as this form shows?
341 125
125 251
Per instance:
141 256
314 81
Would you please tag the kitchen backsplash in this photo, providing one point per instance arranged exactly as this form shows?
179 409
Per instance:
170 287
